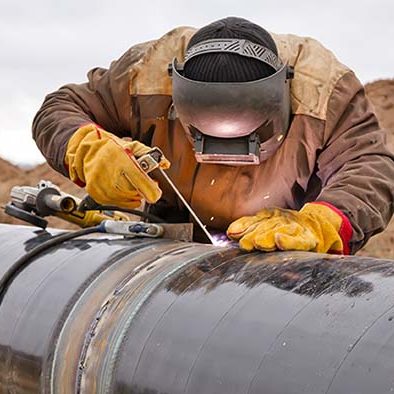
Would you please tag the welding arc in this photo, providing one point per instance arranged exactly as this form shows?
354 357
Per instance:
190 209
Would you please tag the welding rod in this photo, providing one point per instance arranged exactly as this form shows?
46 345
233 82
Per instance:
196 218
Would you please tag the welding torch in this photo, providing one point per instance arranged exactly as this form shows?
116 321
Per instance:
148 162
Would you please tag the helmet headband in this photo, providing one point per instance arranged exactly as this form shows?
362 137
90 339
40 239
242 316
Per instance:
240 47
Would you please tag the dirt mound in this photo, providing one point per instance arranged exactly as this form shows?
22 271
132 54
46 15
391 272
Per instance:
381 94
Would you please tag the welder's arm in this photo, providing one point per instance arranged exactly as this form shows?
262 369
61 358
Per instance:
78 129
103 100
355 166
357 174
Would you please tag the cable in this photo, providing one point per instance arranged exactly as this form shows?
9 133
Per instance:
89 204
20 264
146 215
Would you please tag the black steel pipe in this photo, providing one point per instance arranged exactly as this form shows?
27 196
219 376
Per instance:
102 314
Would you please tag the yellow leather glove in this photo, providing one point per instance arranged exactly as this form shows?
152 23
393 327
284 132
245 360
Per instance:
317 227
107 165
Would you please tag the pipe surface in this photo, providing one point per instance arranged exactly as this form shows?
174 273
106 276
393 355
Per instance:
103 314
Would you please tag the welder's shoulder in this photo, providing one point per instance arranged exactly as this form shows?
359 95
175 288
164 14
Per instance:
317 73
147 63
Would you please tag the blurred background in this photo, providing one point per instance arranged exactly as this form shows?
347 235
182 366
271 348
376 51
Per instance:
46 43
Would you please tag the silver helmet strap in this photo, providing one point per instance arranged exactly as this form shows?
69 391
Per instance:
240 47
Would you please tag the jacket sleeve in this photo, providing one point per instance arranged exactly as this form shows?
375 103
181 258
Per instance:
104 99
355 165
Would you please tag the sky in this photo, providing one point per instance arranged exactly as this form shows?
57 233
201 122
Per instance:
45 44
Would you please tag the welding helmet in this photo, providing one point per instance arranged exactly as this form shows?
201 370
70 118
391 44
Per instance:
236 123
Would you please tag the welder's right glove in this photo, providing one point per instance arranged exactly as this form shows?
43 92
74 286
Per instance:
107 165
318 227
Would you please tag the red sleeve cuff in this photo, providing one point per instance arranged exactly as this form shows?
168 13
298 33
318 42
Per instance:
346 229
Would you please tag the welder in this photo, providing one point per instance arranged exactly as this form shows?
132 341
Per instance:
269 136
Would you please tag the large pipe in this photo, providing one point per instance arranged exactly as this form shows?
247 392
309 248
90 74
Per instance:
102 314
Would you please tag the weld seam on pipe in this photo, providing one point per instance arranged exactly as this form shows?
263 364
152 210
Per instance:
134 307
125 254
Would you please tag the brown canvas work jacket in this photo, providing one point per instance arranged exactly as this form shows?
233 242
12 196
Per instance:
334 150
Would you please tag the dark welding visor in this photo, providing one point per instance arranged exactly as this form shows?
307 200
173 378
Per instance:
233 122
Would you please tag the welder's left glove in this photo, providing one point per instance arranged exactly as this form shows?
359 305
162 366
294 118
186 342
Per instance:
317 227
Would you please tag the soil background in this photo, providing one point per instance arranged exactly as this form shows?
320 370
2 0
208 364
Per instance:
381 94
